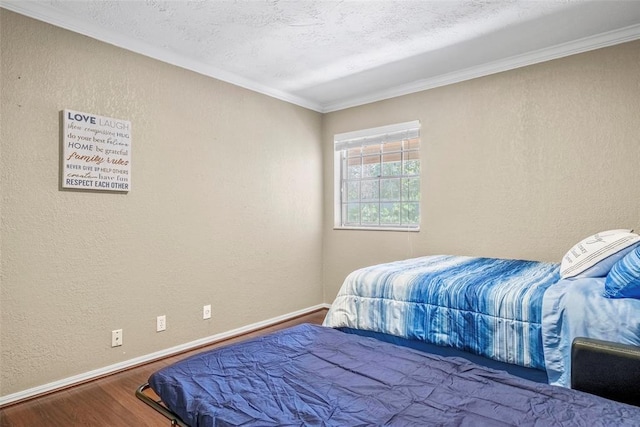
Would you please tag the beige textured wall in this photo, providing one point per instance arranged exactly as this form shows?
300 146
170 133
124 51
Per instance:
521 164
225 208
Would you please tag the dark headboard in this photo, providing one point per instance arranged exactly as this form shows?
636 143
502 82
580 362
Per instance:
607 369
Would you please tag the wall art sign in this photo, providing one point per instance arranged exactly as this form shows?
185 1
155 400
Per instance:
96 152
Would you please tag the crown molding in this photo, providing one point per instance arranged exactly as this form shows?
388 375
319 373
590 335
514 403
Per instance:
49 15
585 44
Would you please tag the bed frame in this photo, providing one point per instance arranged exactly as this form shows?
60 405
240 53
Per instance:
603 368
606 369
146 394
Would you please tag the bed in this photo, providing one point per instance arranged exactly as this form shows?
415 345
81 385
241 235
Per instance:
515 315
485 306
315 375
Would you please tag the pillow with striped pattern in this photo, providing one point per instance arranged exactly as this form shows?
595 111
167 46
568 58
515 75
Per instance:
623 281
596 255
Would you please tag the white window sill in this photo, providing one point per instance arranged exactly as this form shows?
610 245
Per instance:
403 229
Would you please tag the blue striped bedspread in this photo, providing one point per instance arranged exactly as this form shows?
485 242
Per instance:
487 306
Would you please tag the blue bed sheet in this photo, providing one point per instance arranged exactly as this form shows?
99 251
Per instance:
316 376
537 375
486 306
576 308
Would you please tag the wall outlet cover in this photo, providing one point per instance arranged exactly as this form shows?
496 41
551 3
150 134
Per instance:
116 338
161 323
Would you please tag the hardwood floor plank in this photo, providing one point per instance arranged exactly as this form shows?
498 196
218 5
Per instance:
111 401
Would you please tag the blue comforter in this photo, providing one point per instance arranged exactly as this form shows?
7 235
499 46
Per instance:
314 376
487 306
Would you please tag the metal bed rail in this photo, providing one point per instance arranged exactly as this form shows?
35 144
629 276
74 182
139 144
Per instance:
158 406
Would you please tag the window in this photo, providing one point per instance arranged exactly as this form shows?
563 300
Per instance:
377 175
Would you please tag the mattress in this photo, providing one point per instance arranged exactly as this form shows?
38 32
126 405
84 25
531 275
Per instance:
486 306
314 375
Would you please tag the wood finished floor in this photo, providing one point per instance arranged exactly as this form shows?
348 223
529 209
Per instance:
111 401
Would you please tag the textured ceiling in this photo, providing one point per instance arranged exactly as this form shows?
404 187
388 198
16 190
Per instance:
328 55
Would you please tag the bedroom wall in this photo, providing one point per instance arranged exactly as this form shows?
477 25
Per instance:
225 208
521 164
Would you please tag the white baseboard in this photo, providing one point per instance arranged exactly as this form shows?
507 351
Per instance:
107 370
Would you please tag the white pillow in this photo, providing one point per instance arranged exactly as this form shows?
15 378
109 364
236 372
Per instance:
595 255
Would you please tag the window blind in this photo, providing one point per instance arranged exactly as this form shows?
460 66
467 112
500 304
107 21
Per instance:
379 135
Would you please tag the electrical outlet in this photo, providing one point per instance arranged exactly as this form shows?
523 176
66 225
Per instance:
116 338
161 323
206 311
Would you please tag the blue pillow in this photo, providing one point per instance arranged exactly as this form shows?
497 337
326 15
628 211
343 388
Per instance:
623 281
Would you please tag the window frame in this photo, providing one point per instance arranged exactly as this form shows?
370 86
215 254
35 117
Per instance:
361 138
